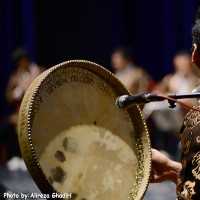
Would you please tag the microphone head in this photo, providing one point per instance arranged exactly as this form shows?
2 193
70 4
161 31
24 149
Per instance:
120 101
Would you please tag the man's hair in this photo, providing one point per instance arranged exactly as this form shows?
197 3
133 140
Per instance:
196 30
125 51
18 54
182 52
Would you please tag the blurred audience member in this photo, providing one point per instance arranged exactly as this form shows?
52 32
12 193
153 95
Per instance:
24 73
183 80
133 77
168 121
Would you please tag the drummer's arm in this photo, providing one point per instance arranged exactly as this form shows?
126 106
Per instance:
164 169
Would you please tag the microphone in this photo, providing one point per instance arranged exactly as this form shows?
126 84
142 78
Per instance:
126 101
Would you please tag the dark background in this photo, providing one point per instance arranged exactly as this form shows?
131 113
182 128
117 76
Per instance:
56 31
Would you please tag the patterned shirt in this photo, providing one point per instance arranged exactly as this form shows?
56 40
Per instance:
188 183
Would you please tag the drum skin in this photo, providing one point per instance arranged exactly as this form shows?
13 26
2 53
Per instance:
74 139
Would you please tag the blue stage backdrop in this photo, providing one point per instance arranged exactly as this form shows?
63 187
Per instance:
55 31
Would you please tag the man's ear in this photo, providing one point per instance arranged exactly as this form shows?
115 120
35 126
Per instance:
195 55
196 60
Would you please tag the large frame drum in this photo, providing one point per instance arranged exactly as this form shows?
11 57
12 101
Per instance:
75 140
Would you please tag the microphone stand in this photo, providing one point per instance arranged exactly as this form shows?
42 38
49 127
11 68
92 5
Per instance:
172 104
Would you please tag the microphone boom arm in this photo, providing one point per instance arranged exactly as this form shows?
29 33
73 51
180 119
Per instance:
128 101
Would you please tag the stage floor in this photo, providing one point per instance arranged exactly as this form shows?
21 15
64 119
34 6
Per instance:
21 182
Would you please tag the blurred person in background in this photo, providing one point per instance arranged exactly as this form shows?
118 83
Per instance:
186 175
24 73
135 78
183 80
166 121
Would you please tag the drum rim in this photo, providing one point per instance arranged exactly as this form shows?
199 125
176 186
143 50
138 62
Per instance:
24 129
